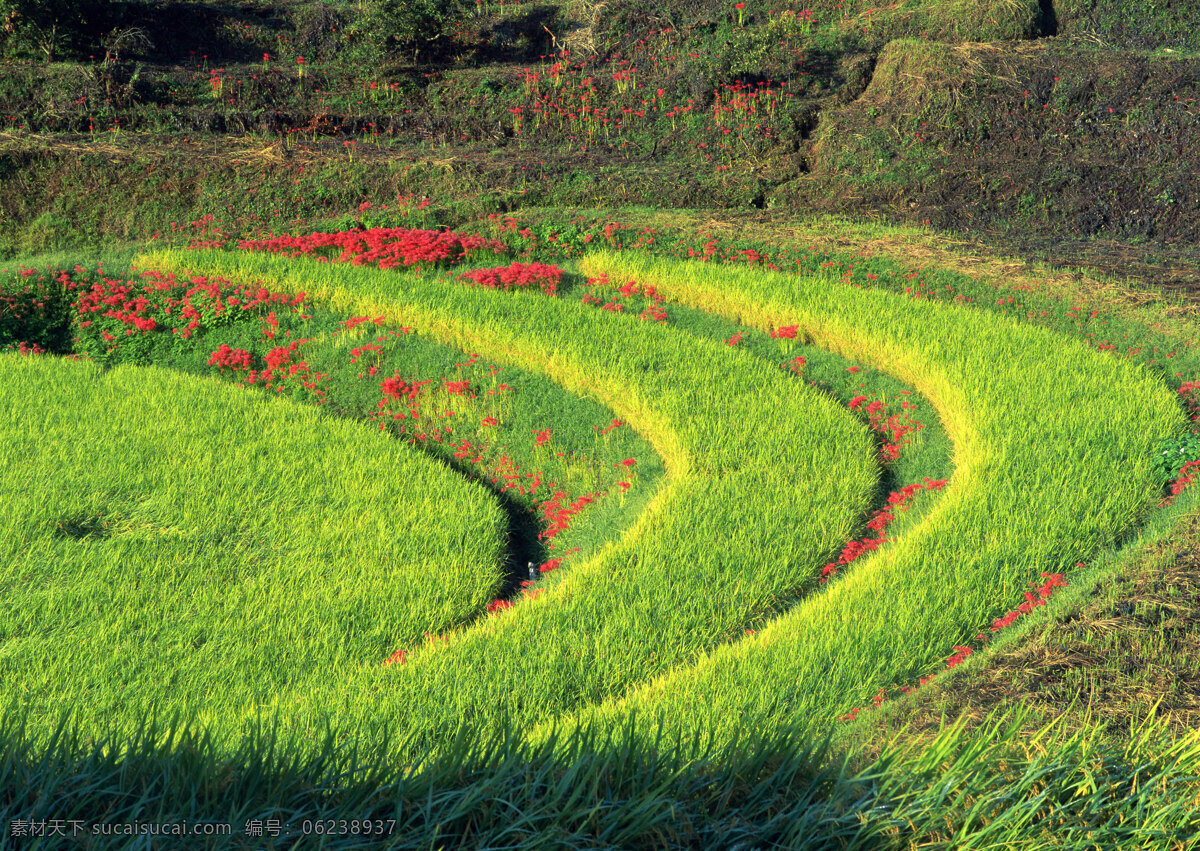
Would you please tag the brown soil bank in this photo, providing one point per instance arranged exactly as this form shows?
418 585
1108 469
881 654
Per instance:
1033 141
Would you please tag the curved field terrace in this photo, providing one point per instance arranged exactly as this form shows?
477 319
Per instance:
452 498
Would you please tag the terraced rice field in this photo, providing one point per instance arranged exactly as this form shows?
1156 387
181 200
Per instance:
374 484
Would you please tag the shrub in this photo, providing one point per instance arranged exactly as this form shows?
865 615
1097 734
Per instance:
420 26
48 27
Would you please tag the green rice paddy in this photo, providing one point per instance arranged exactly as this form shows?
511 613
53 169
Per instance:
232 561
170 544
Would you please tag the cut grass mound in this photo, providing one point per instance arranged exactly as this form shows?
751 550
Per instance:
767 478
177 544
1054 448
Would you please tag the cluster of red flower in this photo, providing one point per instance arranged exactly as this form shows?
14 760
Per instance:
652 309
386 248
894 429
880 520
278 372
396 389
161 301
1187 475
1032 599
517 276
557 517
232 359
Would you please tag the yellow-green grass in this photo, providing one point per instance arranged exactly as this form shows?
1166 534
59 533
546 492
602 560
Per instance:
173 542
766 480
1053 445
947 21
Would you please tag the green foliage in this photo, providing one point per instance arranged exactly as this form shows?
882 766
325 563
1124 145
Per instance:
730 514
416 26
48 28
1118 796
1173 454
34 309
988 787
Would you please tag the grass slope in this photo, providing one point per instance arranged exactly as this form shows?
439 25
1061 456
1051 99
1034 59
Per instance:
176 545
1013 118
1008 787
1053 456
753 510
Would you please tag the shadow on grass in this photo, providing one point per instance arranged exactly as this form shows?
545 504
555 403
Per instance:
611 791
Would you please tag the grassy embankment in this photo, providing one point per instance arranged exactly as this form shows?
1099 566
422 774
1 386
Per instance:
1097 488
968 115
994 794
596 654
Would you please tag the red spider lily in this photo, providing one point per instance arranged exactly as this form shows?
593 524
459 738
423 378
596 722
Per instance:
155 303
1187 475
1033 599
233 359
894 429
557 517
879 521
654 313
396 388
281 372
517 276
787 332
280 355
353 322
386 248
961 655
357 353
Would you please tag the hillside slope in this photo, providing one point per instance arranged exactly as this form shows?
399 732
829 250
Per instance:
1065 131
